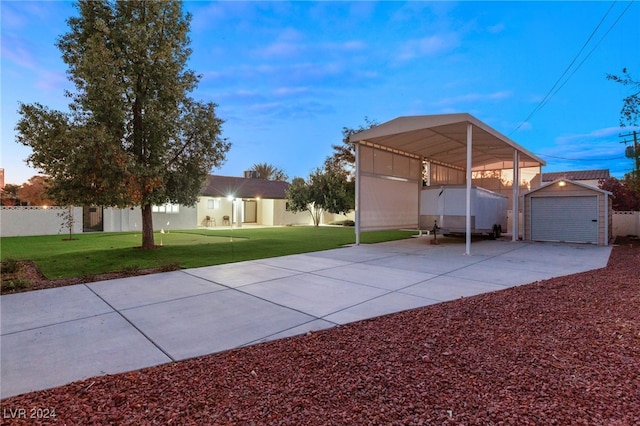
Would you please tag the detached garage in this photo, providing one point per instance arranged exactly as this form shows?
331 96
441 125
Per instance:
567 211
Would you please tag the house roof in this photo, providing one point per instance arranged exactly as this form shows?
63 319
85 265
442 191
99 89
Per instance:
238 187
573 182
576 175
443 138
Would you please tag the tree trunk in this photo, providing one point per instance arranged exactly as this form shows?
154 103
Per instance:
147 228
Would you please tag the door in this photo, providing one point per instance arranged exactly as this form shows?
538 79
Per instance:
92 219
568 219
250 211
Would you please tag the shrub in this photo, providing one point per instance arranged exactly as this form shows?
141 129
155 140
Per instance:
9 266
15 284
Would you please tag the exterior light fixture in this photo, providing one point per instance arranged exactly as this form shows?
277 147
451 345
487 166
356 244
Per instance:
229 197
562 183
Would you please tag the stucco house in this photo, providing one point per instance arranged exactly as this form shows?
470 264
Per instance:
228 200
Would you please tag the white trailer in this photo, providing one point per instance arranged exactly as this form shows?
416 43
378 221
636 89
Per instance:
446 206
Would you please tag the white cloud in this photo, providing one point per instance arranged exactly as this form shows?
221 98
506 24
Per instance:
290 91
609 133
496 29
474 98
13 50
432 45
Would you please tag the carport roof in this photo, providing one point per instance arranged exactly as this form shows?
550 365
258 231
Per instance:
443 138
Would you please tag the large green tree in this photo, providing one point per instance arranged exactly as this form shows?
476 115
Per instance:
132 136
344 155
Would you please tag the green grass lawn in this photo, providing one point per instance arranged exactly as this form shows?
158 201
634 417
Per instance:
95 253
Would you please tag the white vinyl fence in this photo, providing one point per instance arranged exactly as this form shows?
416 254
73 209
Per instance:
626 223
26 220
23 221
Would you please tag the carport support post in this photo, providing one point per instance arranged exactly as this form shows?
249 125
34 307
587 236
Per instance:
357 201
515 188
469 165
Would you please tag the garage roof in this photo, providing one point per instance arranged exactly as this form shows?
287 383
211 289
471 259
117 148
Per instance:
443 138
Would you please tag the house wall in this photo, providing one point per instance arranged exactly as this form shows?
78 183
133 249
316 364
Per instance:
570 190
283 217
225 208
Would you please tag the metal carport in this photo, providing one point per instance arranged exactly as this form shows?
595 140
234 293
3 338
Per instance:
389 160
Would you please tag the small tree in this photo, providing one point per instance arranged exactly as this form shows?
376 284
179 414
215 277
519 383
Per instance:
68 220
326 189
299 198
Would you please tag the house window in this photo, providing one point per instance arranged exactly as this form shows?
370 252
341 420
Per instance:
213 203
166 208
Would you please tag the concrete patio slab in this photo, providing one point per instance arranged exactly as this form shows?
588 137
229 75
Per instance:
40 308
208 323
139 291
312 326
444 288
241 273
386 304
303 262
52 337
498 272
315 295
61 353
376 276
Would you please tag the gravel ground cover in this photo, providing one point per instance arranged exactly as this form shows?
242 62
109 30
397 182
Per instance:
564 351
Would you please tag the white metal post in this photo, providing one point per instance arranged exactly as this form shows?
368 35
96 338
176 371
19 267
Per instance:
357 177
606 219
515 190
469 165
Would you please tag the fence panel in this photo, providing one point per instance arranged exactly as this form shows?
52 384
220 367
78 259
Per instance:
626 223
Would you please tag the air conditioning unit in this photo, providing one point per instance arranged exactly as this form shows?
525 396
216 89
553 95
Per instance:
250 174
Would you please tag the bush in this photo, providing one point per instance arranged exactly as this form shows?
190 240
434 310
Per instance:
15 284
343 223
9 266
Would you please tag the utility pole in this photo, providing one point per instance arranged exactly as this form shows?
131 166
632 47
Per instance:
633 151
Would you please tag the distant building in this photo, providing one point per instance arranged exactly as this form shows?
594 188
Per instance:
586 177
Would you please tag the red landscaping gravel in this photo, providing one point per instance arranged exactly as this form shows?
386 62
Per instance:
564 351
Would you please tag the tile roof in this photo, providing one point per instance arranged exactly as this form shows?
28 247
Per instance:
239 187
576 175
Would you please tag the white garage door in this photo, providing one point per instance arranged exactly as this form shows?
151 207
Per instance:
570 219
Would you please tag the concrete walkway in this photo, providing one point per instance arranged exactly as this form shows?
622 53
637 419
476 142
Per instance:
56 336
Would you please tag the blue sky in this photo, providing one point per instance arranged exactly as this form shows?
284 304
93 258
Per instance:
288 76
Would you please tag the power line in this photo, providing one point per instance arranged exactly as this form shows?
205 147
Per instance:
551 91
592 50
581 159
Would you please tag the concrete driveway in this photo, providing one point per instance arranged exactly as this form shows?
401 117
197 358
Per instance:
57 336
